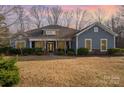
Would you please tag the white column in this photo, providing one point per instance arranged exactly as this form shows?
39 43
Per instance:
30 44
56 44
45 45
69 44
76 44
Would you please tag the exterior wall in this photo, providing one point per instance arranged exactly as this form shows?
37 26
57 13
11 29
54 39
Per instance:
95 36
73 43
13 41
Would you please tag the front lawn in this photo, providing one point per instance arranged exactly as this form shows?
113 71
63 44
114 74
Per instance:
71 71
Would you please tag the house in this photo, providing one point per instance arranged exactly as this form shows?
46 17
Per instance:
95 37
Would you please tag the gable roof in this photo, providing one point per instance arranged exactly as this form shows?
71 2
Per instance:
107 29
64 32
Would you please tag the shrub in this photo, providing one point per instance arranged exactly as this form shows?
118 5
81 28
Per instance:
9 77
122 50
2 50
7 64
38 51
28 51
14 51
113 51
9 74
83 51
60 52
70 52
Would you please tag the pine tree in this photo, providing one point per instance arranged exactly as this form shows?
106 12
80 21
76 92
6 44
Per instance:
4 32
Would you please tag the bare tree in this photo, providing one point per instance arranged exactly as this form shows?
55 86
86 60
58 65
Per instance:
68 17
6 20
99 15
79 18
7 12
38 14
49 16
54 14
4 33
22 18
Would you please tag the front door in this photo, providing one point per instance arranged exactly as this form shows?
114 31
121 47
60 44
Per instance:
50 46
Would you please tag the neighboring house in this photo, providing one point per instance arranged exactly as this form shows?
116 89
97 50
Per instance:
95 37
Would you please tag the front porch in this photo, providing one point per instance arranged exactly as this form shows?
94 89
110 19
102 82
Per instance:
50 46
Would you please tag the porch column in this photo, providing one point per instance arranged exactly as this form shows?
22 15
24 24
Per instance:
56 44
30 44
65 47
69 44
45 45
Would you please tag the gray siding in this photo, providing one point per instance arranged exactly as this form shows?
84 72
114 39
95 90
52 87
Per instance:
13 41
73 43
95 36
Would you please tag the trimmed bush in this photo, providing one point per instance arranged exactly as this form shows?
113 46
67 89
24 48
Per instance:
83 51
60 52
5 50
9 74
113 51
38 51
122 50
14 51
70 52
28 51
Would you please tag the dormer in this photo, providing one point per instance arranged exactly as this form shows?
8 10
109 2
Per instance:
50 32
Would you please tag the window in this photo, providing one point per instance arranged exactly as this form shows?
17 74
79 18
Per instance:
61 45
88 44
50 32
103 45
20 44
39 44
96 29
20 36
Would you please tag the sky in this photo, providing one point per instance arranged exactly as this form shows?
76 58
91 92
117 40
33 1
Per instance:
109 9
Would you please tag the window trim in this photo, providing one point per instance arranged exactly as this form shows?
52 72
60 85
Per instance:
50 33
90 43
101 45
95 29
20 41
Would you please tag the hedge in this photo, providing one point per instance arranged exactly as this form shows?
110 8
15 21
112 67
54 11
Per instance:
60 52
115 51
22 51
70 52
83 51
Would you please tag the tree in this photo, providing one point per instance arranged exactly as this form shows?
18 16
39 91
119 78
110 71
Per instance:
7 12
54 14
79 18
117 25
68 17
38 14
4 32
99 15
22 18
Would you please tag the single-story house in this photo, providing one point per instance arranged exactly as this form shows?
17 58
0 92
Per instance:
95 37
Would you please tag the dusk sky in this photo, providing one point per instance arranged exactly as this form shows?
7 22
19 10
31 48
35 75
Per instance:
108 9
